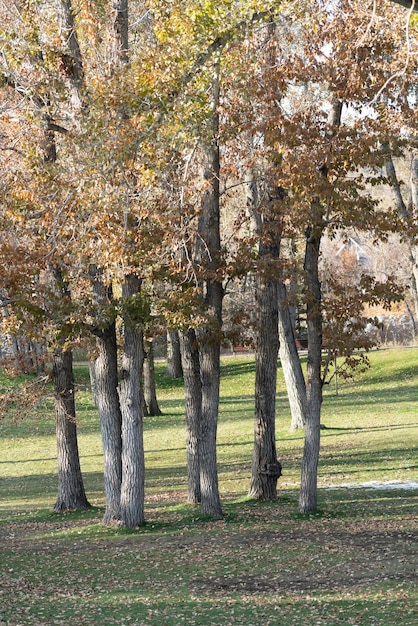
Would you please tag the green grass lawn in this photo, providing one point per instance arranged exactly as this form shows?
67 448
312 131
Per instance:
263 564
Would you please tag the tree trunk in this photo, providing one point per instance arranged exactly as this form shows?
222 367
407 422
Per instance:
414 247
149 381
210 336
133 468
71 493
309 477
71 59
121 31
289 358
193 401
106 375
143 401
265 467
405 214
106 368
174 368
210 375
313 294
93 383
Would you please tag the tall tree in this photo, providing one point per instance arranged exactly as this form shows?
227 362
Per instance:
210 337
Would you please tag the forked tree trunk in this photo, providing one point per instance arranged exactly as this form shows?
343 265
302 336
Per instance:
174 367
71 493
133 467
289 358
149 381
193 402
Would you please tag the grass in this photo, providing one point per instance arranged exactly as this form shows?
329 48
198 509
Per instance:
354 562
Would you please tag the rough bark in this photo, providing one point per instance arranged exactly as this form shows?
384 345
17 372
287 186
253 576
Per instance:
193 401
121 31
174 367
71 493
133 467
414 211
309 476
405 213
265 467
210 337
210 375
93 383
289 358
149 381
71 59
106 374
313 294
106 367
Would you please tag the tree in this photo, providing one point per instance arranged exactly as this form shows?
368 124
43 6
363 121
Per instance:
324 167
174 369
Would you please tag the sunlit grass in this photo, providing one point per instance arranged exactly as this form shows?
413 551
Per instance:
263 563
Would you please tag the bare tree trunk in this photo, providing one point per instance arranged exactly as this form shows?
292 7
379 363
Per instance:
210 375
121 31
71 493
106 367
174 368
149 381
265 467
309 477
133 467
405 212
289 358
313 294
210 337
71 59
414 211
193 401
93 383
106 375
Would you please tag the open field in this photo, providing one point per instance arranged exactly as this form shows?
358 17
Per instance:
263 564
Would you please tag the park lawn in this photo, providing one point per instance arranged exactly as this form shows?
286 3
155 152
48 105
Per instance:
262 564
